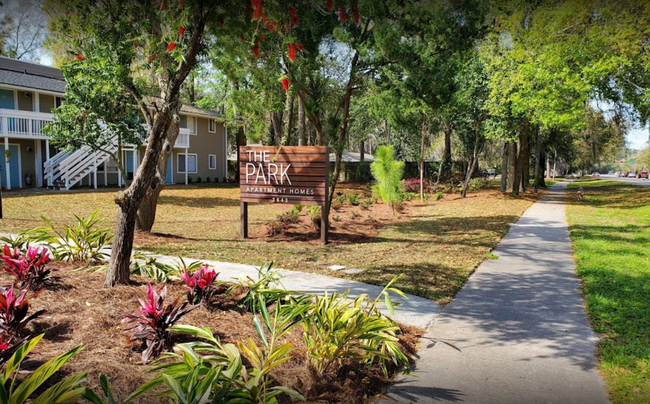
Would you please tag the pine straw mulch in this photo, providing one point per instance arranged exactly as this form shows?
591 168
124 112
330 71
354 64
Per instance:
81 311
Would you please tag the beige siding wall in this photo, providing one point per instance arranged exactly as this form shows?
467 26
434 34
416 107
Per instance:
203 144
46 103
25 103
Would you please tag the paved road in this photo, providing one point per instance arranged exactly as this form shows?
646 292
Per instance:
517 332
635 181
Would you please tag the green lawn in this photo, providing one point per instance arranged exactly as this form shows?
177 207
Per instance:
437 248
610 230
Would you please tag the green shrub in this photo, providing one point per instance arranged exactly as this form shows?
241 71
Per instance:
314 213
263 289
365 204
81 243
438 196
388 174
209 371
353 199
335 328
477 183
160 272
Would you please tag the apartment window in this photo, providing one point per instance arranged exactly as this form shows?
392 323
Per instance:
212 161
58 101
191 163
212 126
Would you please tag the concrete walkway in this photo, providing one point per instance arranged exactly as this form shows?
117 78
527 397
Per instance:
517 332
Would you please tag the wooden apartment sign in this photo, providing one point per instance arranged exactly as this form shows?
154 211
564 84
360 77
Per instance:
296 175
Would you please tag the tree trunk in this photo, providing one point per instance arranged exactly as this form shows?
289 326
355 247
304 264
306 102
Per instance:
538 152
424 133
146 215
120 262
276 122
504 167
345 103
548 167
445 165
302 138
543 162
241 141
512 167
478 145
362 151
524 156
289 119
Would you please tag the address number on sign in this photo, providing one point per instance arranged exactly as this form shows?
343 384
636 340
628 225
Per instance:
280 200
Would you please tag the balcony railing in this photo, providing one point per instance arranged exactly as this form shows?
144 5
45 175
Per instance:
23 124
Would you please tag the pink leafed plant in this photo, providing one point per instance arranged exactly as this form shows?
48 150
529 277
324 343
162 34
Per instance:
153 320
28 270
200 285
13 312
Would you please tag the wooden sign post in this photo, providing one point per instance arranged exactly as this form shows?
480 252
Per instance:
287 174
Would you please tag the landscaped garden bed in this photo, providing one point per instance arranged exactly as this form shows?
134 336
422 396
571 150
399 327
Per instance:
80 311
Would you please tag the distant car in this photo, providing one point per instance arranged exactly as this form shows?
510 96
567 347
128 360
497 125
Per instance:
622 174
595 174
610 172
631 174
643 174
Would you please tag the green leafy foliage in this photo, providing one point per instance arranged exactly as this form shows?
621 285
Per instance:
388 174
209 371
66 391
261 290
158 271
335 328
81 243
106 389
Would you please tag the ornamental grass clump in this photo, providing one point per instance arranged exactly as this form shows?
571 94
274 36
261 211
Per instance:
29 270
200 285
153 320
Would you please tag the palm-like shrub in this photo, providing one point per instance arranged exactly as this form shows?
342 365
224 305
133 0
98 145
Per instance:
82 243
388 173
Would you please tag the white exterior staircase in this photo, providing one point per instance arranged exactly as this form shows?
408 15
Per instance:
71 167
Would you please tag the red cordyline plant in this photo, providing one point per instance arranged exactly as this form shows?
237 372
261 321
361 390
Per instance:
29 269
200 285
153 320
13 312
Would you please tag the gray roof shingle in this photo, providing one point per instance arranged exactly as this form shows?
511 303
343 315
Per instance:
30 75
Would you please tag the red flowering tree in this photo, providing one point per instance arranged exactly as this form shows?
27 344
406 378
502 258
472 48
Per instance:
157 40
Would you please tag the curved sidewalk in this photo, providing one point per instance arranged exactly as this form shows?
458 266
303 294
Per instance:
517 332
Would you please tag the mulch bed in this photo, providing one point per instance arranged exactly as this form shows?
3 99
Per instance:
81 311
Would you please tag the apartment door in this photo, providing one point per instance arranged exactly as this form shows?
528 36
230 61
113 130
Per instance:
14 165
169 177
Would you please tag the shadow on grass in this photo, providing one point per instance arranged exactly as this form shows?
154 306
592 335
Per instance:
433 281
197 201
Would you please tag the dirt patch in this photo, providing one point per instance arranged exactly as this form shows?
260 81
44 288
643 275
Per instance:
350 223
81 311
